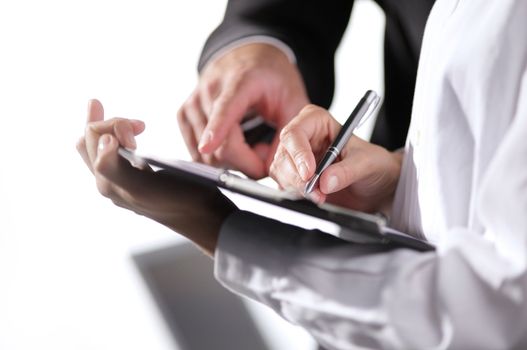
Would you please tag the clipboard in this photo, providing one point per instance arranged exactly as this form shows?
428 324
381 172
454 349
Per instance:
354 226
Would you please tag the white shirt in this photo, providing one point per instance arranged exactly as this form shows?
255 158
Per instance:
463 186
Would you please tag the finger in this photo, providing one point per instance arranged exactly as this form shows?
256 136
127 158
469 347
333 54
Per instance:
229 108
349 170
81 148
124 129
239 155
95 114
197 121
296 143
95 111
115 176
188 135
283 171
317 124
209 90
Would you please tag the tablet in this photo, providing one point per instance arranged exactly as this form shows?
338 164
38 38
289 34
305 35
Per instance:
354 226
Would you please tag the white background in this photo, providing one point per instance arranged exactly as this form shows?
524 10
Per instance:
66 277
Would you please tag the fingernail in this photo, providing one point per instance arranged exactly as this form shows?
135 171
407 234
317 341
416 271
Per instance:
205 139
333 183
88 109
104 141
138 123
302 168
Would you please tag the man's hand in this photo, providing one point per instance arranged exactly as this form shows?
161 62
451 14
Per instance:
364 177
254 78
194 211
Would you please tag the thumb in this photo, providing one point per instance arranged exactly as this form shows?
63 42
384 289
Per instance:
229 108
344 173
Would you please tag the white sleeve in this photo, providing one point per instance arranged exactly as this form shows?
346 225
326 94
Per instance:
469 294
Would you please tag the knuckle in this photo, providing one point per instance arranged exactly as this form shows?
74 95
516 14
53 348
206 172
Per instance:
298 155
285 132
309 109
81 145
237 78
120 127
210 87
181 116
91 128
288 132
119 123
192 103
279 156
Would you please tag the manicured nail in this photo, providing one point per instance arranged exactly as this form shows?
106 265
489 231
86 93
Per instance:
333 183
205 139
104 141
302 169
88 109
137 123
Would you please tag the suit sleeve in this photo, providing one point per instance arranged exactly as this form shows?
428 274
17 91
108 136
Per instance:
312 29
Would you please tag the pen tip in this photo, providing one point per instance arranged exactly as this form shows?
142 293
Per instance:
310 185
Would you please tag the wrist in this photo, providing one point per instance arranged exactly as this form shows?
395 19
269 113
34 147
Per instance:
247 57
255 40
201 221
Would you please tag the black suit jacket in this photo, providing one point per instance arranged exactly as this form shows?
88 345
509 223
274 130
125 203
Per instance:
313 29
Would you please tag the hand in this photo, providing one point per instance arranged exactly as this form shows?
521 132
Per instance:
194 211
364 176
252 78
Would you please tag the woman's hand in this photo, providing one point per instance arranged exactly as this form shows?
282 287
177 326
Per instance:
194 211
363 177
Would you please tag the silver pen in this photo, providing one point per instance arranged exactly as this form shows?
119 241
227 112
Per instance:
362 111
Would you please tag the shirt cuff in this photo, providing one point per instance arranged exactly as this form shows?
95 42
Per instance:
255 39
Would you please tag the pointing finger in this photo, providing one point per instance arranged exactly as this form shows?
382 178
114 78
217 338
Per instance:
296 143
228 109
